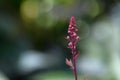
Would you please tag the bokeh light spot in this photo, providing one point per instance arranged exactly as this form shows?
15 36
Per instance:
95 8
30 9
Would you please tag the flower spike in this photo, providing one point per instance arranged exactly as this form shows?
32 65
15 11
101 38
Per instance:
73 39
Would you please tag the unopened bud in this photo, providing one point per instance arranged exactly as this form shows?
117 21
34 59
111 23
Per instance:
76 30
74 47
69 31
74 34
72 28
70 45
77 38
68 38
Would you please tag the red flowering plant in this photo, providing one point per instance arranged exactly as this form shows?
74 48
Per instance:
73 38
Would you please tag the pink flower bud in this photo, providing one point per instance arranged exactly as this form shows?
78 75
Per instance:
77 38
70 45
69 31
74 34
72 20
72 28
74 47
76 30
68 38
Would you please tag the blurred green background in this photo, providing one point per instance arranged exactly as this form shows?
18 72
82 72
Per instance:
33 45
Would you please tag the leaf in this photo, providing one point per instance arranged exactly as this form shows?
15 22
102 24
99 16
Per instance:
69 63
77 55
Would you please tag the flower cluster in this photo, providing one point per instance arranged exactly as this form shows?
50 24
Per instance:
72 38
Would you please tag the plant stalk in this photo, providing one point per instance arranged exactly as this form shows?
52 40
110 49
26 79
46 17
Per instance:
74 70
74 62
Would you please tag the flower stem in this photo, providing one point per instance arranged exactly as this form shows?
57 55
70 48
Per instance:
74 70
74 61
